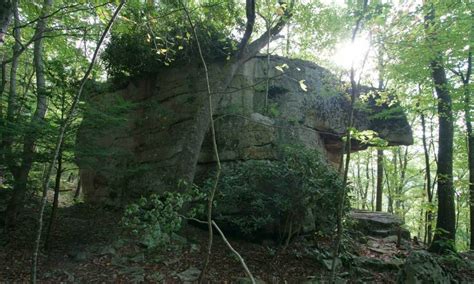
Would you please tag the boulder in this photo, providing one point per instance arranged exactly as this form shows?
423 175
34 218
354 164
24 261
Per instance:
189 275
379 224
421 267
378 264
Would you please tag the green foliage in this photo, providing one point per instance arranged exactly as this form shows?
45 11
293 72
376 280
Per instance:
317 26
257 194
368 137
156 218
144 51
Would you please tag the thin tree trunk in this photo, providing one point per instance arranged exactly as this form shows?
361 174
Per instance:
7 139
470 143
429 193
359 189
267 83
3 82
287 50
396 182
373 187
403 160
347 146
54 209
367 184
465 79
380 172
12 97
78 189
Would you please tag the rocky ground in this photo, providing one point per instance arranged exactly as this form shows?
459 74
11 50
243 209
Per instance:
88 246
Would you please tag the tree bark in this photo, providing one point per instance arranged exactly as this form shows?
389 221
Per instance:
78 189
359 190
402 166
470 141
54 209
429 193
367 184
444 237
378 202
445 223
6 11
21 177
7 139
373 187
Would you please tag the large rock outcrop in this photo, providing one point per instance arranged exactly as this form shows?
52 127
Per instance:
139 154
421 267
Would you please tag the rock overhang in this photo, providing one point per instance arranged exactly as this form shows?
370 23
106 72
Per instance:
305 105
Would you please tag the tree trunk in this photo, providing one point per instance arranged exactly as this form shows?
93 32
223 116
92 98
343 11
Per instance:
7 139
367 184
19 188
191 146
78 189
346 148
429 193
445 223
396 181
444 237
378 202
5 17
403 164
470 141
360 189
54 209
373 189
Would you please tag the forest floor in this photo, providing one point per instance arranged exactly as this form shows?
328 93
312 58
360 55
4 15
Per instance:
88 246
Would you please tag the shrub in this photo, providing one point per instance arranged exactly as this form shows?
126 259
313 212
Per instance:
258 195
154 219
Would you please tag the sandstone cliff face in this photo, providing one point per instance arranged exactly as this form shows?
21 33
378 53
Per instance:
249 124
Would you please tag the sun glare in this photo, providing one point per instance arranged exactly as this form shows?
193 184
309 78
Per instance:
347 53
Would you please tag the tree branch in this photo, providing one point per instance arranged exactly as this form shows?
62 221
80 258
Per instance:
259 43
250 13
249 274
469 67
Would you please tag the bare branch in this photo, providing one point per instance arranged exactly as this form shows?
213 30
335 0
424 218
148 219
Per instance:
249 274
